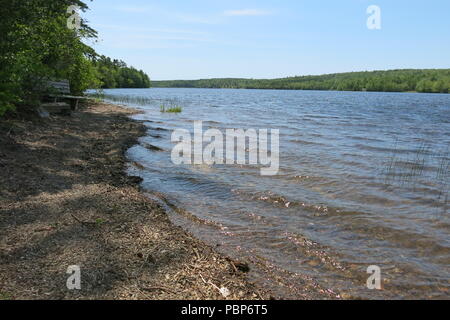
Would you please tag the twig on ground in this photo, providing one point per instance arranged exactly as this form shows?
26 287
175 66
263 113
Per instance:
83 222
158 288
197 253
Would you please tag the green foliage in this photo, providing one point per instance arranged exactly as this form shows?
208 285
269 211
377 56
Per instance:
100 221
170 106
170 109
7 96
36 45
433 81
5 296
116 74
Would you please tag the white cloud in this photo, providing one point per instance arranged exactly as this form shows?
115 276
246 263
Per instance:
246 12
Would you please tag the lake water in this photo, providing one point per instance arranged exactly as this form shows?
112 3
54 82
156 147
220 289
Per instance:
363 180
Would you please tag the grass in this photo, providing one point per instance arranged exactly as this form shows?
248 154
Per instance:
170 109
424 164
5 296
124 99
170 106
99 221
165 105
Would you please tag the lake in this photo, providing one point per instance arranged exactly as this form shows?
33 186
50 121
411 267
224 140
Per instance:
363 181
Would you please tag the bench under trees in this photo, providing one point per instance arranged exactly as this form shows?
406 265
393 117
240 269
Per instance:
57 98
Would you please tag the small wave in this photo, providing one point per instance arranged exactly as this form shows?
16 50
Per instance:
317 116
170 206
152 147
137 165
158 129
283 202
151 122
155 136
385 150
317 254
364 138
304 142
211 122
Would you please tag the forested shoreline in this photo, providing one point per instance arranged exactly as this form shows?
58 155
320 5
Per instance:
408 80
116 74
40 42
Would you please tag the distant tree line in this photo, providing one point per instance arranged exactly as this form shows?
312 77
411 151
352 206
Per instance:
37 45
116 74
409 80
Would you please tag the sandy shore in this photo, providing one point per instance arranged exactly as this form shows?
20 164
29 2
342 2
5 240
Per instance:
65 200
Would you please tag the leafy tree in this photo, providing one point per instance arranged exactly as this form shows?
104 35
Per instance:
36 45
116 74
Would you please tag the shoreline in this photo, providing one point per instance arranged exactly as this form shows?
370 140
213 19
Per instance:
66 200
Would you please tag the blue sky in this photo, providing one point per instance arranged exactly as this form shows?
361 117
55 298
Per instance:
193 39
